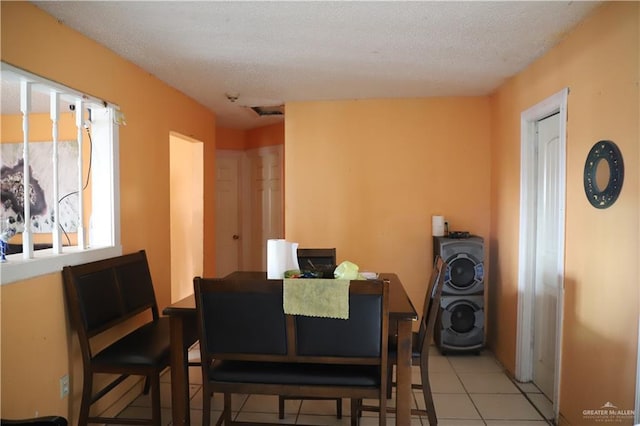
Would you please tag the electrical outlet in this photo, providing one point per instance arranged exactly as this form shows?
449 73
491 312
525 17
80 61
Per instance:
64 386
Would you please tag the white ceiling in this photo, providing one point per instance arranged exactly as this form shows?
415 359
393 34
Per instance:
272 52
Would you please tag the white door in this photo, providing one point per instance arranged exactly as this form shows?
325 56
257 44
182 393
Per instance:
228 229
267 219
547 274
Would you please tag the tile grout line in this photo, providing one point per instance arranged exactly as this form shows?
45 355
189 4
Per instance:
466 391
521 391
526 396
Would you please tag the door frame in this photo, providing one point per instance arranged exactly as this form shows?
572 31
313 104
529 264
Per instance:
636 418
526 250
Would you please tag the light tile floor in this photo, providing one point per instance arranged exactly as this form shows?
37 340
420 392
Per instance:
468 390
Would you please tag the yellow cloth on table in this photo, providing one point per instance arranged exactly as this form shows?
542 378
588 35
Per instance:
316 297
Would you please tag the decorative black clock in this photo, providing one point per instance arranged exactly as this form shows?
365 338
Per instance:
603 174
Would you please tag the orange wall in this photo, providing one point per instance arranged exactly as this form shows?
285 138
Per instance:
33 313
39 128
232 139
270 135
34 351
599 62
366 177
242 140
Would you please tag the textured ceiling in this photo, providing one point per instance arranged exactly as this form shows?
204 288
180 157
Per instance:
270 53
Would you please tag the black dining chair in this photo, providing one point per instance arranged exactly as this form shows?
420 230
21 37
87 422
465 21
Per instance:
420 344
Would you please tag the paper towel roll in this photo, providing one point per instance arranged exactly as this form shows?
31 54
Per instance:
274 255
437 226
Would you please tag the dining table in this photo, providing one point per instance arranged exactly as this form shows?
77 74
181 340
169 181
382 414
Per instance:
184 333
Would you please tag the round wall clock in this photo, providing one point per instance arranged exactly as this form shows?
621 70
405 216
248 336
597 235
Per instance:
603 174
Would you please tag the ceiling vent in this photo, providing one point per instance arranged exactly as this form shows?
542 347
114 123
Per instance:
264 111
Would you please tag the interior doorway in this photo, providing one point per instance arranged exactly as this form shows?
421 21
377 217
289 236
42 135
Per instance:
249 207
541 248
187 213
547 282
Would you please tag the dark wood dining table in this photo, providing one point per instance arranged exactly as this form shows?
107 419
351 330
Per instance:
182 318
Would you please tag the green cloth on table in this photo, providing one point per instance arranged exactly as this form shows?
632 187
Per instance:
316 297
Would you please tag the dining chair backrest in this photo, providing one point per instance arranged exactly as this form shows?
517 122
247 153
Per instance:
316 256
436 272
432 305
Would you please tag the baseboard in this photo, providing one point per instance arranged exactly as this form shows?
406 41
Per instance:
562 421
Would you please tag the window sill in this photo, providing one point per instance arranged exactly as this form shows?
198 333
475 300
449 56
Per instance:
16 268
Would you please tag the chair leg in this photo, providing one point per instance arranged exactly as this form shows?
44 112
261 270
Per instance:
155 399
85 404
389 381
280 407
426 392
428 402
382 415
355 411
206 405
227 408
147 385
339 408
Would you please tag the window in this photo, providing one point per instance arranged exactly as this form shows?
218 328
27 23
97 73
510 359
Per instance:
63 146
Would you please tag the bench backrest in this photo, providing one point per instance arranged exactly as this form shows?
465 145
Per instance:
107 292
241 317
244 320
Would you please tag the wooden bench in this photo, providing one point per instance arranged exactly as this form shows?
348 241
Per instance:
101 297
249 345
